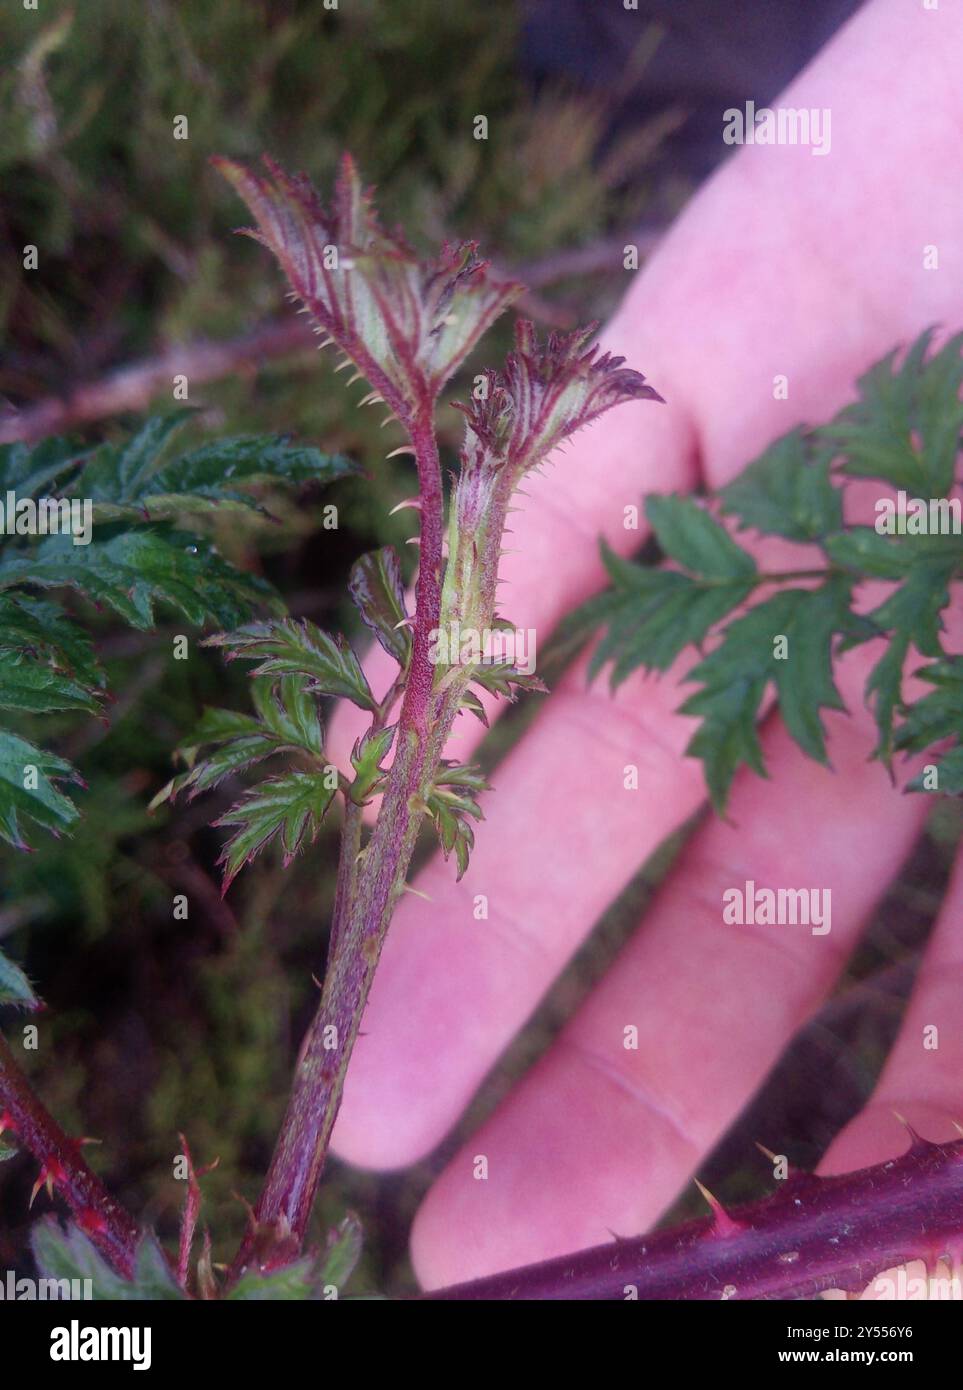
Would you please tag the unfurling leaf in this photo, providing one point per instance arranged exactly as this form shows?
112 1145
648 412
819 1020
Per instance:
544 394
379 595
406 325
368 754
291 806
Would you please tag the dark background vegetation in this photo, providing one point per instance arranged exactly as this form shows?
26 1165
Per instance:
155 1025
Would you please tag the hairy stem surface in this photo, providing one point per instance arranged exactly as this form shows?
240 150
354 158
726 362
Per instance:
368 887
105 1220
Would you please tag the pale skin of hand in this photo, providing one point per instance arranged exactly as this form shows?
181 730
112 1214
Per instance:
785 263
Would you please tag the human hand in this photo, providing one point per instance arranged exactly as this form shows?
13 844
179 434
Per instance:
785 264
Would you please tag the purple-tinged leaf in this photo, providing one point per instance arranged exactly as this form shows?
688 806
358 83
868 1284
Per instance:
379 595
544 394
406 325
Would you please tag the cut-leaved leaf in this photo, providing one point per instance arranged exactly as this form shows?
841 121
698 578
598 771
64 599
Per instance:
376 587
905 426
290 807
291 647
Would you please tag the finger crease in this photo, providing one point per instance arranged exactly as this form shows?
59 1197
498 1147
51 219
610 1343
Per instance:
642 1094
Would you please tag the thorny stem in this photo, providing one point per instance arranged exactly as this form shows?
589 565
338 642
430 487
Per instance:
108 1224
368 886
814 1234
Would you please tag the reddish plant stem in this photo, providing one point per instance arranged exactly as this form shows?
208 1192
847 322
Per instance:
364 905
109 1225
813 1234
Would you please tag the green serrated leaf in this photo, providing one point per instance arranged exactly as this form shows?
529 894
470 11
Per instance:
750 655
291 647
293 1282
341 1255
70 1254
465 775
905 426
470 702
449 804
289 710
208 772
28 471
689 535
40 629
910 616
787 491
503 678
949 775
135 570
905 429
218 474
366 758
32 686
454 832
727 737
120 473
15 988
938 715
378 593
287 720
153 1277
804 679
863 551
22 764
913 610
884 692
866 551
291 806
933 719
652 614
